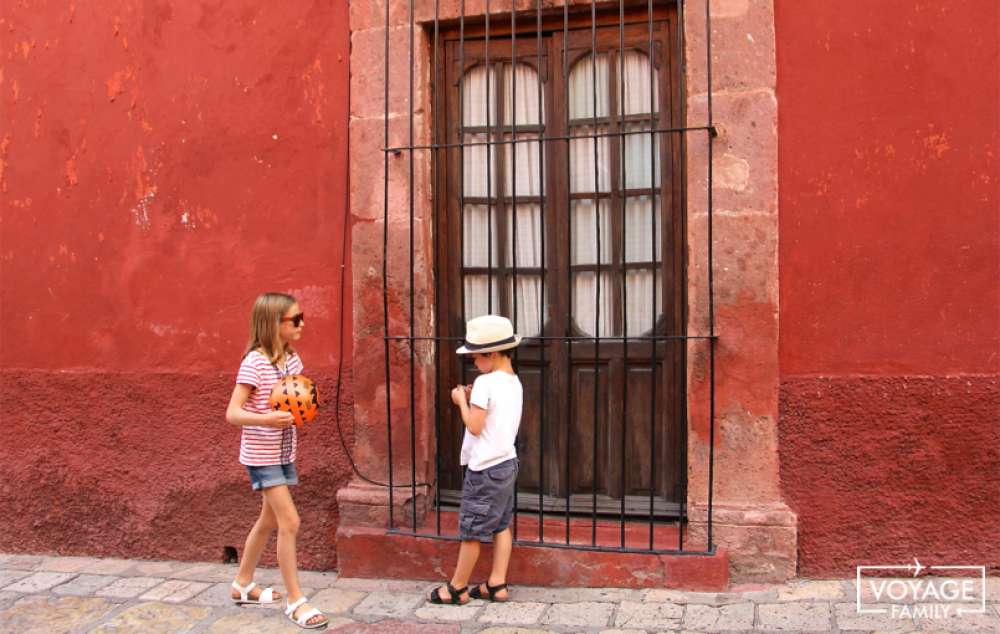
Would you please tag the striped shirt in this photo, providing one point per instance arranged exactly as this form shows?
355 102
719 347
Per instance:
263 446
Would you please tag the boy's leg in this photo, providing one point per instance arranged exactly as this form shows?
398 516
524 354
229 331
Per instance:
503 543
256 541
468 554
503 540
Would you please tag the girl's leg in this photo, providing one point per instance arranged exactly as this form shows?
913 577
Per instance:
280 500
256 541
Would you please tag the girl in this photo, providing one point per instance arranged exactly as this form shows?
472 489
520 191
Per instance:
267 449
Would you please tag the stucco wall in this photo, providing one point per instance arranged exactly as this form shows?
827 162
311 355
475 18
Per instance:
161 163
890 235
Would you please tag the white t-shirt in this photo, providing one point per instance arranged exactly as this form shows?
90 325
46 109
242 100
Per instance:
500 394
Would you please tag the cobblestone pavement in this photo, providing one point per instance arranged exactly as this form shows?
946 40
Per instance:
81 594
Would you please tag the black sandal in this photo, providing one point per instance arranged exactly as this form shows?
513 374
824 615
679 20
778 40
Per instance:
456 595
476 593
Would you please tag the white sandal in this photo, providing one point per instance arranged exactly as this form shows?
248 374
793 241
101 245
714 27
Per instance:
303 620
266 595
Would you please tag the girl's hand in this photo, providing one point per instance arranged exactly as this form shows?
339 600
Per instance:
279 419
459 396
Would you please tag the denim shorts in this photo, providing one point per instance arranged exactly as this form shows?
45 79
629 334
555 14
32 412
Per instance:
272 475
487 501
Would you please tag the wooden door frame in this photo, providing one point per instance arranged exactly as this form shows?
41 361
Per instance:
672 381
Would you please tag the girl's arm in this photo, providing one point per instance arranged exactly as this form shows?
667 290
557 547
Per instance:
473 416
236 415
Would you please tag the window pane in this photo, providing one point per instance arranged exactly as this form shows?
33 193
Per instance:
528 320
525 111
529 236
529 180
476 236
584 232
640 220
585 301
474 176
474 103
582 160
477 296
637 84
640 152
642 289
581 88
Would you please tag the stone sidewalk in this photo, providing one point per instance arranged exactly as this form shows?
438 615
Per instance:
80 594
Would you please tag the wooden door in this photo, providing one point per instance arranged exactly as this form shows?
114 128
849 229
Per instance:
580 242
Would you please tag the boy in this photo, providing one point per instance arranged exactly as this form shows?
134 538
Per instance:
492 415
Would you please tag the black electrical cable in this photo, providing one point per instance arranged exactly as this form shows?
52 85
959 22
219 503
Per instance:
340 352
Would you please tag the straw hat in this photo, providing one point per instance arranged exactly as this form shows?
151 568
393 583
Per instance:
489 333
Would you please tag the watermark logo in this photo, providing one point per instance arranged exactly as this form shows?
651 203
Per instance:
951 591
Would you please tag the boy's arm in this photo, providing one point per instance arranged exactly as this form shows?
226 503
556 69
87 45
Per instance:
473 416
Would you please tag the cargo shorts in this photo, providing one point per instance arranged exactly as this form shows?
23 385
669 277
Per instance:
487 501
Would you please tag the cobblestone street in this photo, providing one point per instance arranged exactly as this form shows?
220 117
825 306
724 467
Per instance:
80 594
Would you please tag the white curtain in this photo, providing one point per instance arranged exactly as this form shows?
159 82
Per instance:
641 286
590 173
480 179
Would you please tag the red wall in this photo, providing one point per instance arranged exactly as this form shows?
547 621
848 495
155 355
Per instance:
889 134
162 163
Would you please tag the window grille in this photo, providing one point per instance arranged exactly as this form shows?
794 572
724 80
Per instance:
588 239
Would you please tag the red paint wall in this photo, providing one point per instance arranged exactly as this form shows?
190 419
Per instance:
162 163
889 258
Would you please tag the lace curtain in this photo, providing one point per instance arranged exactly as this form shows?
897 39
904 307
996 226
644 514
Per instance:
593 299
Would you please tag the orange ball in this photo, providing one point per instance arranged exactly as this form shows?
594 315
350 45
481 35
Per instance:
298 395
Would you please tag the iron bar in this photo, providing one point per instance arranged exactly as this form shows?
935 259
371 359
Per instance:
568 546
569 274
436 89
513 185
413 384
489 173
385 266
596 135
541 295
572 338
597 276
653 123
682 142
623 220
711 288
461 184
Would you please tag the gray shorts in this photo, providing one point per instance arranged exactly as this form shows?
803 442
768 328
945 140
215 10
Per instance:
487 501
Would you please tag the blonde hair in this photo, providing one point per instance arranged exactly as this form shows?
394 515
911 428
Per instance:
265 318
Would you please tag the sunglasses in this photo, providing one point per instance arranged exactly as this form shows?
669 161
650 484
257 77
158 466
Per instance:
295 319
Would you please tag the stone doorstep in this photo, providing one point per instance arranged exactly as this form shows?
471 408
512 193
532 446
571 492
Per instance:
372 553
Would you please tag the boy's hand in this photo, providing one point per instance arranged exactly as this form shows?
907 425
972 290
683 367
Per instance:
279 419
459 395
